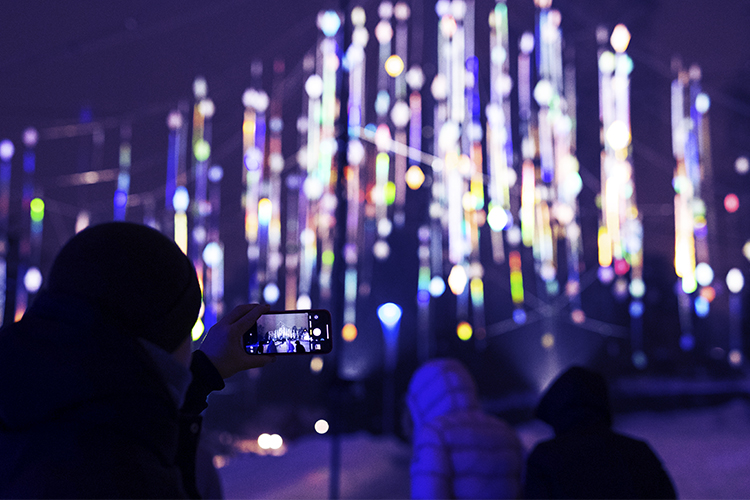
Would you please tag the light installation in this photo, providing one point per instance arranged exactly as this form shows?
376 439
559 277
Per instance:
523 197
620 233
123 176
692 183
7 149
30 245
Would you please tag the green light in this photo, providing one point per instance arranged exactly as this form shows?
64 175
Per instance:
202 150
423 281
327 258
390 193
37 209
516 287
476 288
198 330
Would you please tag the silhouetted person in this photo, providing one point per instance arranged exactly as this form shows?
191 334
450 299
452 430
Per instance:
459 451
298 347
101 394
587 459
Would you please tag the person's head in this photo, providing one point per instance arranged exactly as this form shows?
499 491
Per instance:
135 277
577 398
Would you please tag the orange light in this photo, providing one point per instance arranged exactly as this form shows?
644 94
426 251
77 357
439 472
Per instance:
414 177
708 293
349 332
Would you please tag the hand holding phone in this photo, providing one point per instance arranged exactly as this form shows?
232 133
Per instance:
223 343
290 332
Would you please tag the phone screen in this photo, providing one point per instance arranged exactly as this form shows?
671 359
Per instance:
291 332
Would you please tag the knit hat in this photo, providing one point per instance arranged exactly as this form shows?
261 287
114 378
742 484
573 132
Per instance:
133 275
577 398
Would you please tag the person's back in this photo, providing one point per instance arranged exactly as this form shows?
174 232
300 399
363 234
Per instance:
91 392
587 459
62 421
102 393
459 450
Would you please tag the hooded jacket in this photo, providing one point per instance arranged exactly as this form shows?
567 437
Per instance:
586 459
459 451
85 413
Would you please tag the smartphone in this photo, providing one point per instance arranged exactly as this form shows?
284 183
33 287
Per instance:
291 332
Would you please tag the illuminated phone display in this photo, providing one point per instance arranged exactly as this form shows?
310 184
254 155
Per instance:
291 332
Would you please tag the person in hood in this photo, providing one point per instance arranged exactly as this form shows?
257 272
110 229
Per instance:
459 451
586 458
101 392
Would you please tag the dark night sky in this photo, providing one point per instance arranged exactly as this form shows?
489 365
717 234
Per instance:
135 60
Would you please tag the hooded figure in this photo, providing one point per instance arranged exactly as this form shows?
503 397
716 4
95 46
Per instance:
95 400
586 459
459 450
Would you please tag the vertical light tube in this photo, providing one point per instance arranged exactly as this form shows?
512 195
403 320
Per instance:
123 177
29 252
255 102
275 166
6 154
356 157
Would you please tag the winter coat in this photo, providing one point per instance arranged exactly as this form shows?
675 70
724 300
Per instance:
85 413
587 459
459 451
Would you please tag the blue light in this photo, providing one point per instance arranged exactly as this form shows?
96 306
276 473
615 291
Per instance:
121 198
437 286
640 360
519 316
329 23
636 309
181 199
423 297
253 158
687 342
389 314
702 307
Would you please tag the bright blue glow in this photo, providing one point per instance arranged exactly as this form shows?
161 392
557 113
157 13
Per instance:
271 293
181 199
702 307
121 198
519 316
423 297
636 309
437 286
389 314
329 23
687 342
213 254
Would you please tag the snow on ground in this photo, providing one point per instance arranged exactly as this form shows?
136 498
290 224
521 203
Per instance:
705 450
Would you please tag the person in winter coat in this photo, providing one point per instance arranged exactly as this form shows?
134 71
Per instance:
587 459
459 451
101 392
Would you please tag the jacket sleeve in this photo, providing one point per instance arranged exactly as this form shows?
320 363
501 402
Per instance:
206 379
431 470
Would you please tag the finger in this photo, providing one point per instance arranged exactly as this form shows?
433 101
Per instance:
260 361
250 317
